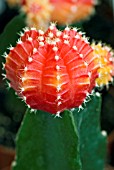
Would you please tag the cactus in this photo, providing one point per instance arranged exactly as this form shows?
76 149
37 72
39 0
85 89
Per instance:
75 141
40 13
55 70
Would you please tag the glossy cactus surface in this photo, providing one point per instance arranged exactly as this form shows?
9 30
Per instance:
52 71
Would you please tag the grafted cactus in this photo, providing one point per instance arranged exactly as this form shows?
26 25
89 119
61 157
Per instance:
55 71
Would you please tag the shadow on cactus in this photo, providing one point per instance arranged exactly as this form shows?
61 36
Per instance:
55 72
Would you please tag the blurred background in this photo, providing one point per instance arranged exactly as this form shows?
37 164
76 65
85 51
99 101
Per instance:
100 27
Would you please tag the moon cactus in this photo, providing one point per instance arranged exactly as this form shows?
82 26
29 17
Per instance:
53 70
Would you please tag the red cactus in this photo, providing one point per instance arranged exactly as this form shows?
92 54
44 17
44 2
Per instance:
52 71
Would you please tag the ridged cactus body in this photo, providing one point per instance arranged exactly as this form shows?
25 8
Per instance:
52 71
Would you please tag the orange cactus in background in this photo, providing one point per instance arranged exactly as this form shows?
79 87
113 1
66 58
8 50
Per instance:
106 64
68 11
38 13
